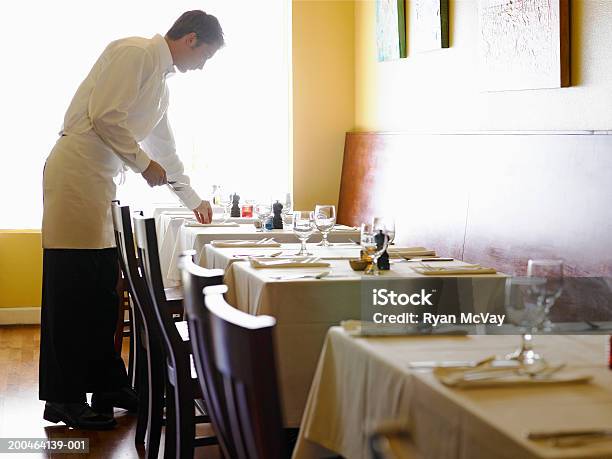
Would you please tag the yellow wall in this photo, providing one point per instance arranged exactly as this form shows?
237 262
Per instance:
20 268
438 90
323 97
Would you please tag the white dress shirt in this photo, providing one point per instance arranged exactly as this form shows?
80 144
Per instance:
116 118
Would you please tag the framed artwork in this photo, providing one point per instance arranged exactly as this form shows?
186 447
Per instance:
390 29
430 24
524 44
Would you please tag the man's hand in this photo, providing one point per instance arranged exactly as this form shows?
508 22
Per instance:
203 212
155 175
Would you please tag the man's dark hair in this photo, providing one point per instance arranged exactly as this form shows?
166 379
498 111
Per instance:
205 26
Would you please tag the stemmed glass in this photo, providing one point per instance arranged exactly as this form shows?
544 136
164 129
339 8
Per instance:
262 211
287 211
551 271
370 232
387 224
526 309
303 227
325 219
225 201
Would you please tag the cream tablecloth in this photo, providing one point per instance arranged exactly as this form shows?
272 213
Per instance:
220 258
196 238
363 382
306 308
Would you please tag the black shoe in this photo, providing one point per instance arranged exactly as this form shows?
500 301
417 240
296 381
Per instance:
77 416
126 398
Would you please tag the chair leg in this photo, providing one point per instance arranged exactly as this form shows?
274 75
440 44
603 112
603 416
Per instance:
185 422
143 400
132 360
170 441
156 391
120 289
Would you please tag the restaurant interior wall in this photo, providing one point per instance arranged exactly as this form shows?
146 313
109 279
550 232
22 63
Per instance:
20 276
323 97
439 90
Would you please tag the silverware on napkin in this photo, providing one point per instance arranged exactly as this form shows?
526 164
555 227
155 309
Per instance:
542 372
571 438
305 276
451 363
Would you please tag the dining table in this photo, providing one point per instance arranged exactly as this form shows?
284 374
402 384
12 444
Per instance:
177 231
365 382
305 307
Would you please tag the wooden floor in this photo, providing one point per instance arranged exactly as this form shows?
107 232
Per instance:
21 411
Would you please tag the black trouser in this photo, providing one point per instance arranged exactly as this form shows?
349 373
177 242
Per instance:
79 317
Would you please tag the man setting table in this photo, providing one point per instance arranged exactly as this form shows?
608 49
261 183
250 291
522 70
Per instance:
117 118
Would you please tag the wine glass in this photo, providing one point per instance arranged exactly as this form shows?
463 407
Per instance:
325 219
303 227
262 211
287 212
225 201
387 224
526 309
551 271
374 241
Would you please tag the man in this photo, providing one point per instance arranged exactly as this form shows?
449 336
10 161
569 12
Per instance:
116 118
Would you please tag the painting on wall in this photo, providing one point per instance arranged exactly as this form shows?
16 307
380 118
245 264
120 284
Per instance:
524 44
390 29
430 25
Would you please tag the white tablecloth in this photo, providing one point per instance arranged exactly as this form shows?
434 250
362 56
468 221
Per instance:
363 382
221 258
306 308
182 238
168 224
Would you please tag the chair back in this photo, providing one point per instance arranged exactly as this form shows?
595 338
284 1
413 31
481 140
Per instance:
194 279
124 237
146 243
244 358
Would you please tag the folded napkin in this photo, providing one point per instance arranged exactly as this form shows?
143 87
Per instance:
177 211
243 244
501 377
453 270
299 262
359 328
344 228
410 252
212 225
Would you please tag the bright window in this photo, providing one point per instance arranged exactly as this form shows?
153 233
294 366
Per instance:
231 121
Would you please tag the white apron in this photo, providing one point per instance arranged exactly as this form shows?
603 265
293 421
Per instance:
78 188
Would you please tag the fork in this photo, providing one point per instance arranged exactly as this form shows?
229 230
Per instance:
176 186
320 275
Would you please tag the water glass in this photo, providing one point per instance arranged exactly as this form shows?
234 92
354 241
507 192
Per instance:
325 219
303 227
262 212
551 271
526 309
225 201
287 213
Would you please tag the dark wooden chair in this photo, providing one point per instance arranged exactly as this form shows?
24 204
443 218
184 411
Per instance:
243 357
150 370
182 387
194 279
125 327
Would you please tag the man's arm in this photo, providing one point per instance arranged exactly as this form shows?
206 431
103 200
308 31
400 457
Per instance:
160 145
116 90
